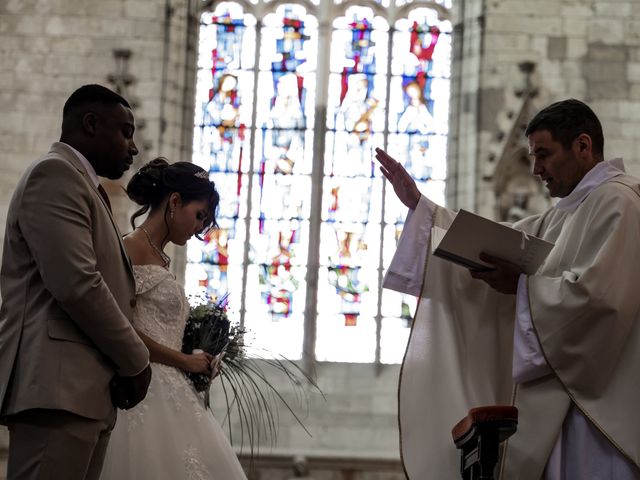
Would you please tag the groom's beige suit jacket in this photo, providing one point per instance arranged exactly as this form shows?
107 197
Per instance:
68 293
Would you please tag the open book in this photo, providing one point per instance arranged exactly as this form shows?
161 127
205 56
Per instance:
471 234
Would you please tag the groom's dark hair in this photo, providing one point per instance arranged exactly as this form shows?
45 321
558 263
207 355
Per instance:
92 94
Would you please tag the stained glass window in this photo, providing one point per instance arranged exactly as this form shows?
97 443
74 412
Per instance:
283 157
350 232
222 139
307 225
417 135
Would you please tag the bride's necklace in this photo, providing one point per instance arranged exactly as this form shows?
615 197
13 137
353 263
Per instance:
165 258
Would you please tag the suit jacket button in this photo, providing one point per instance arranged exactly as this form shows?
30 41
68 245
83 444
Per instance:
132 302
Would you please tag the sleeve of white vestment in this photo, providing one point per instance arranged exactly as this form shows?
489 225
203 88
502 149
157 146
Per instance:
528 359
406 271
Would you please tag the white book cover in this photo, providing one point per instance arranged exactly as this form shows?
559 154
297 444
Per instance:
470 234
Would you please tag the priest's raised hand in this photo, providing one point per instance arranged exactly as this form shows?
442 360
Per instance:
404 186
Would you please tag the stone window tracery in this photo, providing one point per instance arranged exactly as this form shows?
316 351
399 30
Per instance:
292 98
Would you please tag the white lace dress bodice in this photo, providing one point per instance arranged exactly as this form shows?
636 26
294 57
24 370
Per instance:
169 435
161 307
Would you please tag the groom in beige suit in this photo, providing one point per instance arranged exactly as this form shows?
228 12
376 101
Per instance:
68 352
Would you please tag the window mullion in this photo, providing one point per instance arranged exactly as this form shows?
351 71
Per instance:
317 181
383 224
247 219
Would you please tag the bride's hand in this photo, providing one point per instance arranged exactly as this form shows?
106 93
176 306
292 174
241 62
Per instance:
199 362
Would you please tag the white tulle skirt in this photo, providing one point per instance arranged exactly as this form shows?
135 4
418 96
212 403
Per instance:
170 436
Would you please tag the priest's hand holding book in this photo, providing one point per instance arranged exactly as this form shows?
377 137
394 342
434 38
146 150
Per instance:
503 277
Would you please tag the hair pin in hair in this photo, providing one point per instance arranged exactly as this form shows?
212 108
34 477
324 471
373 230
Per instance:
202 174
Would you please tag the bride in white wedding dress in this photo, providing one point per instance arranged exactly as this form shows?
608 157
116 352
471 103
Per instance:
169 435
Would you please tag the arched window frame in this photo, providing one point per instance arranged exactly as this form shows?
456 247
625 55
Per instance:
325 12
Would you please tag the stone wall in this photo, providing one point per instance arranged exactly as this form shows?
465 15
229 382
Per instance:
586 49
355 415
50 47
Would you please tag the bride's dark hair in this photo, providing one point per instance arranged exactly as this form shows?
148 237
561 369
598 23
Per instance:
158 179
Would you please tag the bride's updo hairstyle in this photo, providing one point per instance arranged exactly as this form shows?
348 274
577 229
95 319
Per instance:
155 181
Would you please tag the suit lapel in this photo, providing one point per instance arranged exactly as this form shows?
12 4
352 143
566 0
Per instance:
65 152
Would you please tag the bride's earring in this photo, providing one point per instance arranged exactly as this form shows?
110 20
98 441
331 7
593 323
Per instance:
171 212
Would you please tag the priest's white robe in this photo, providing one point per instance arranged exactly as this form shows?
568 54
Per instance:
583 311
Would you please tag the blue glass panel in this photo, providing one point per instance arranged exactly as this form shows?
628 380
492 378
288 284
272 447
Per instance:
350 232
418 128
222 135
281 186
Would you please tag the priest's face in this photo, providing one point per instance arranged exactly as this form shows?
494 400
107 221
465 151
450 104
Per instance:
559 168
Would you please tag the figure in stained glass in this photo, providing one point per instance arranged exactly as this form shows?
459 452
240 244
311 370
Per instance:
286 117
222 111
216 251
356 109
288 122
416 120
222 114
353 124
359 52
416 117
423 41
417 84
281 196
344 271
277 279
219 140
355 100
334 204
229 31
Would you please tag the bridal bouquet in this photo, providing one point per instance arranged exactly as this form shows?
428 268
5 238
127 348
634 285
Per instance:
208 329
245 380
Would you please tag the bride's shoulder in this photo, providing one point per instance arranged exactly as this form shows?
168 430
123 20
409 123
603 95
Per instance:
150 276
137 250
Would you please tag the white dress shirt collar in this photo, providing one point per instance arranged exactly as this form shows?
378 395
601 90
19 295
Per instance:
87 166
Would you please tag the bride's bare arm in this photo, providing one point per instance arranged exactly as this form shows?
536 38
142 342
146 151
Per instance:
158 353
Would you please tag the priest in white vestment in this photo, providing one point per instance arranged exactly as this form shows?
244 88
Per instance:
562 345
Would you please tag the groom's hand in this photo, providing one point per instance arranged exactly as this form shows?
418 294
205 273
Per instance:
127 392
